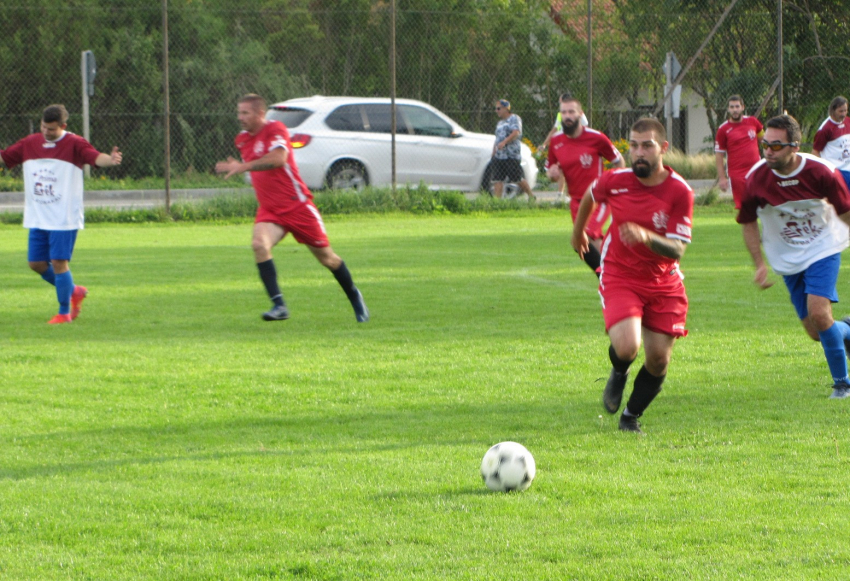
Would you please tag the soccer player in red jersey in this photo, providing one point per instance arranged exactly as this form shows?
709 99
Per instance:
286 205
832 141
53 163
640 283
576 154
804 207
737 141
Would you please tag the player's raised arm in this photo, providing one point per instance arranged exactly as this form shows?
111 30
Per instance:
109 159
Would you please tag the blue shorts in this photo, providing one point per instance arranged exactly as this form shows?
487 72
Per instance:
846 175
819 280
46 245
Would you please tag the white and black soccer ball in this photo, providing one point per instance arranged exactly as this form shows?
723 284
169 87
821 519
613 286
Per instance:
508 466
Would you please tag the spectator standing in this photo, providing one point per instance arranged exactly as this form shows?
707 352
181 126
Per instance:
507 154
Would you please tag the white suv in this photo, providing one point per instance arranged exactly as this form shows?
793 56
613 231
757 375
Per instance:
345 142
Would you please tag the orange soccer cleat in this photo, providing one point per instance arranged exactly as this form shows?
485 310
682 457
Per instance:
59 319
77 298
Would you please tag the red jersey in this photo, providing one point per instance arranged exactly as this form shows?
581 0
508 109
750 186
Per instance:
666 209
799 212
580 159
278 190
53 179
833 142
739 141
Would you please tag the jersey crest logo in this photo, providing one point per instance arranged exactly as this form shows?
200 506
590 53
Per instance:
259 147
659 220
586 160
751 134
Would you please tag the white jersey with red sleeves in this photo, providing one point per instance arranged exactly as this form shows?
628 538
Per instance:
53 179
666 209
833 142
281 189
581 158
799 212
739 141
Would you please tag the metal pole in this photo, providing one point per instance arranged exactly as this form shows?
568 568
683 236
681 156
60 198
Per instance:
166 106
779 58
86 119
590 62
392 91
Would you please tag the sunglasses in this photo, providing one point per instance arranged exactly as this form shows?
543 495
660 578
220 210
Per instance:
777 146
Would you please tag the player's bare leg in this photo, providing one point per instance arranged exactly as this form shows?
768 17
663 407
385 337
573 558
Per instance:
625 342
330 260
264 237
657 348
821 326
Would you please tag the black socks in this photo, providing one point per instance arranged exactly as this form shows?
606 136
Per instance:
343 277
647 386
268 274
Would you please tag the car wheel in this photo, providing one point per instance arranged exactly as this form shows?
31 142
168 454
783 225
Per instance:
347 175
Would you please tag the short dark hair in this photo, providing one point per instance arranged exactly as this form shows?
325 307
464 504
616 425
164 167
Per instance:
565 96
789 124
572 100
255 100
55 114
645 124
836 103
735 98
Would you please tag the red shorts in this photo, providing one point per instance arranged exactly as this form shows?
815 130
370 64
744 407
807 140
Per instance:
662 307
597 219
738 185
304 222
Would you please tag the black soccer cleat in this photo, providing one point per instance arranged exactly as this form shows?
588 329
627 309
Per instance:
630 424
612 396
278 313
361 311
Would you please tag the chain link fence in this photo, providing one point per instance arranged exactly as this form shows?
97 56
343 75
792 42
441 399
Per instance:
458 55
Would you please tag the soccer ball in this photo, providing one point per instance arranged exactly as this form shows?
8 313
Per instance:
508 466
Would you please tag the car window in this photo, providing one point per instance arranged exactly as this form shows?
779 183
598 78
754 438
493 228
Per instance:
289 116
347 118
425 122
379 119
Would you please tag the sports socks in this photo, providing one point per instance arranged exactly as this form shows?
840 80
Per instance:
268 274
832 341
64 287
620 365
593 259
343 277
844 328
50 277
647 386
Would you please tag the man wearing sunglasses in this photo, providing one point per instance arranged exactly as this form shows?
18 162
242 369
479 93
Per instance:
507 152
737 143
804 207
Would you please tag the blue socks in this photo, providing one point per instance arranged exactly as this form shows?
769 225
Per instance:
832 341
65 287
50 277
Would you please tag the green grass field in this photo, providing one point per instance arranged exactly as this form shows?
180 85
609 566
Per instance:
169 433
